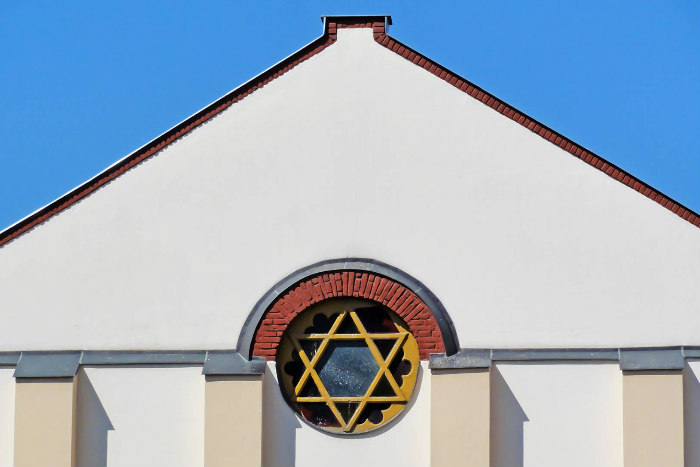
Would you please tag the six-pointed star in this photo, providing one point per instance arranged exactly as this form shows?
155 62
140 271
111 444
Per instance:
349 342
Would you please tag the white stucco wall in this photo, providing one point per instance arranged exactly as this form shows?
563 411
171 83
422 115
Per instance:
289 441
691 412
356 152
554 414
140 416
7 416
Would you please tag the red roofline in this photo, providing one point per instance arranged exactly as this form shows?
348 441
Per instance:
331 25
536 127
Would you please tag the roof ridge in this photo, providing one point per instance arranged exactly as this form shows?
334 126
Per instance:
329 36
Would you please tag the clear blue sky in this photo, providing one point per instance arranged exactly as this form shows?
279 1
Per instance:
85 83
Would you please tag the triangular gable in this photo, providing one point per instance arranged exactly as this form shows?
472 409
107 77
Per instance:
331 25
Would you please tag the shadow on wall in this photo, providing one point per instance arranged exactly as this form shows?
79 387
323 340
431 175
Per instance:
93 424
507 424
691 412
279 425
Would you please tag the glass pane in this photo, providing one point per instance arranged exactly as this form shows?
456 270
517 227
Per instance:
346 409
384 346
347 326
309 389
376 319
310 347
383 389
347 368
321 324
318 413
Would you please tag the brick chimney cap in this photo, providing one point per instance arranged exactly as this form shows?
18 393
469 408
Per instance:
356 18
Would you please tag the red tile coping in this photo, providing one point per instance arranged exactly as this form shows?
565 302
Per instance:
370 286
331 26
536 127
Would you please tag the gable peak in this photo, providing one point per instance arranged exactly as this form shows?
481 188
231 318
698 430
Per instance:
378 23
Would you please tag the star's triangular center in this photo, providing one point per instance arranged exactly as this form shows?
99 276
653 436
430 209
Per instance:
347 368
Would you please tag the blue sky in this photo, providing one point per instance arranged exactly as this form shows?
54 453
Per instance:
82 84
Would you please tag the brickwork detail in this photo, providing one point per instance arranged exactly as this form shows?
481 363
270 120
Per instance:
314 289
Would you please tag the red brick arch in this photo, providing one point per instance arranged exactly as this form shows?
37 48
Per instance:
367 285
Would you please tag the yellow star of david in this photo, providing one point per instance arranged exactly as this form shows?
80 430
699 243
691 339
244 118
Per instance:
347 329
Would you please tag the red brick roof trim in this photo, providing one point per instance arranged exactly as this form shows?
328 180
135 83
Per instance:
536 127
329 37
331 25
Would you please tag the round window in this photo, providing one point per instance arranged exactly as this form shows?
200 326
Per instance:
347 365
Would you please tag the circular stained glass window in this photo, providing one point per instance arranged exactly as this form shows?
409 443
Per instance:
347 365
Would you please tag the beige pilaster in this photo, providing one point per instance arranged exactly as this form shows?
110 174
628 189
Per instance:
233 421
44 422
459 417
653 418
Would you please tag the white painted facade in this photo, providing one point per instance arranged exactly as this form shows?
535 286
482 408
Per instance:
691 415
553 414
544 413
356 152
525 245
288 441
7 415
140 416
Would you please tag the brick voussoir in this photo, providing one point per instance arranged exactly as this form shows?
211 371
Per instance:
395 296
